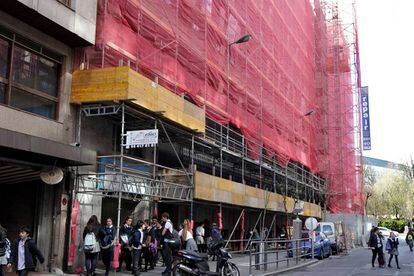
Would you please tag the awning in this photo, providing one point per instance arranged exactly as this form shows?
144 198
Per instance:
16 147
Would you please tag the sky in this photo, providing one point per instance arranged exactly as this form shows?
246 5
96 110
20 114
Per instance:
386 41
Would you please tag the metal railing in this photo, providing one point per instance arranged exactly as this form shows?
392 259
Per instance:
276 254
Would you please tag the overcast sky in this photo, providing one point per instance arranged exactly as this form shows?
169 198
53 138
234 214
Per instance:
386 39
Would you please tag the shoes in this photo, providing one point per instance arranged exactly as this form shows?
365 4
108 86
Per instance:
118 270
389 266
398 267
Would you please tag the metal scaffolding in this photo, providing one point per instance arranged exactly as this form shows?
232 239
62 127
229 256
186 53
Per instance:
220 151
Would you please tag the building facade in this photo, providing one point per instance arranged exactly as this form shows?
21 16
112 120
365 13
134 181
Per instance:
37 123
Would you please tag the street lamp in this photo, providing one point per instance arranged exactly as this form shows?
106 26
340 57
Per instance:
309 113
242 39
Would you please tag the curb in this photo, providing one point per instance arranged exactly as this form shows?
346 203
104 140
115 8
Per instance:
289 268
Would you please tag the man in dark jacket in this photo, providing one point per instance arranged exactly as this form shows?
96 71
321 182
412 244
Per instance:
24 253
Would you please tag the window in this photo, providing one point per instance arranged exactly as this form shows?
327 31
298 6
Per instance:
327 230
65 2
29 75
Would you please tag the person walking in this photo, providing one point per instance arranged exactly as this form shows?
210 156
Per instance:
107 238
409 239
167 233
125 234
376 245
137 242
157 234
150 248
392 248
91 244
4 249
187 237
24 253
200 233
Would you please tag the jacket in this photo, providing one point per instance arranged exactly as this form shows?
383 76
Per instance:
373 241
135 239
125 230
107 236
393 243
31 253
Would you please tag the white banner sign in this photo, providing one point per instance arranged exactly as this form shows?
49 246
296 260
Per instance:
141 138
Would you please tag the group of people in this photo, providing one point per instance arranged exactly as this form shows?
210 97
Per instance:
22 253
142 243
376 243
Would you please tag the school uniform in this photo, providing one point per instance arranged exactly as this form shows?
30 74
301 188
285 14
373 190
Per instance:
24 255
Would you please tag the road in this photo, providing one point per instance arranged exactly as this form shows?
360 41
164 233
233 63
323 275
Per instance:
358 262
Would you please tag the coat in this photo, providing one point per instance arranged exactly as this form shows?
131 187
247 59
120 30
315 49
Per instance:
107 237
373 241
135 239
31 254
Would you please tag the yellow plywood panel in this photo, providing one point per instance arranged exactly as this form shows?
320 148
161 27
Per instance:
122 83
217 189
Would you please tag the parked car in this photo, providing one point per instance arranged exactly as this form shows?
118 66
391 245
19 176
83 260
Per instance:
335 233
321 248
386 232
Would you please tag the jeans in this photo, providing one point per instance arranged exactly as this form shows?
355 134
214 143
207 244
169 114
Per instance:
107 257
136 257
378 252
90 261
23 272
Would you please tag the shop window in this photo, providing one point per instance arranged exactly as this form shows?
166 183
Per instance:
35 70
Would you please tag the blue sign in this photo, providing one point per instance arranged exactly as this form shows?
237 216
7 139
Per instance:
366 132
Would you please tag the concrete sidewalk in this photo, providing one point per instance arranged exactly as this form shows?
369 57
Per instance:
242 262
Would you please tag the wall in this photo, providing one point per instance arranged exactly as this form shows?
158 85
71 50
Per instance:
60 130
354 225
79 19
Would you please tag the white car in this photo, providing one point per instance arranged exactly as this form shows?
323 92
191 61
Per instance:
386 232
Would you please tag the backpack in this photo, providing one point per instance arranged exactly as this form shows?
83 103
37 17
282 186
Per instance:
410 237
388 245
90 242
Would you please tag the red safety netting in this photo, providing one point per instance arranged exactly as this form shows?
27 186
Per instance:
263 87
184 43
337 90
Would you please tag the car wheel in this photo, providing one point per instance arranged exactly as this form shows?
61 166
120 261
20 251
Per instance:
321 255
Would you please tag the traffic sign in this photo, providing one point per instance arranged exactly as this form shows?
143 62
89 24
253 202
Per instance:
311 223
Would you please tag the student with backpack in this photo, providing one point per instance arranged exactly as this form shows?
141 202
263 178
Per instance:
91 245
4 249
107 237
392 247
24 253
409 239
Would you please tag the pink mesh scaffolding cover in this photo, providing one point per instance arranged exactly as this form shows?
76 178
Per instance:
184 43
336 145
263 87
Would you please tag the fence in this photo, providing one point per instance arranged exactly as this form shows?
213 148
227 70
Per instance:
276 254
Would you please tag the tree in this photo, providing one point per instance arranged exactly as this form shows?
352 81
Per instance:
370 178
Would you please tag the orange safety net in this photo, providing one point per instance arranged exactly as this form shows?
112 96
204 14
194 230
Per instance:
264 87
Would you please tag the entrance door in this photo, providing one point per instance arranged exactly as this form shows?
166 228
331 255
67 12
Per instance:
18 206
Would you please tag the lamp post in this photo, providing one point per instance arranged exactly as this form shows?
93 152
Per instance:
243 39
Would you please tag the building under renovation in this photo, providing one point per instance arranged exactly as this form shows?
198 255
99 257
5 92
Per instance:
238 112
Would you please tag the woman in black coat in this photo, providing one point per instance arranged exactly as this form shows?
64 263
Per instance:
31 253
375 242
92 228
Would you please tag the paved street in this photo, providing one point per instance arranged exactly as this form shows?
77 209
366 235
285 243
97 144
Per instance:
358 262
